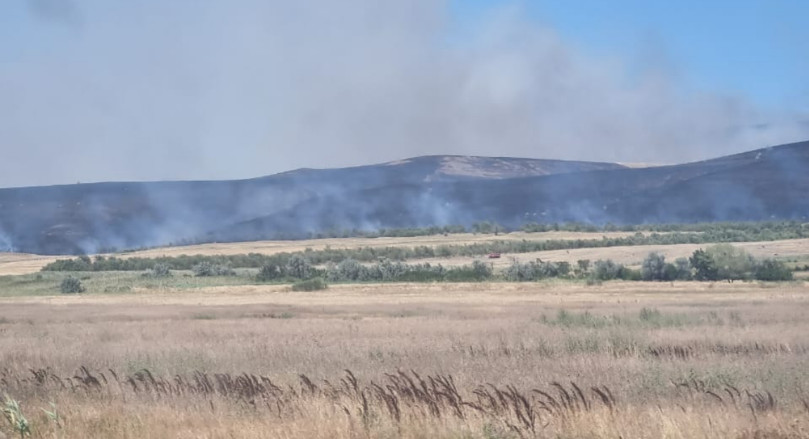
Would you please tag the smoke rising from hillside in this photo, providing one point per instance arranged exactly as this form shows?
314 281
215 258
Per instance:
203 89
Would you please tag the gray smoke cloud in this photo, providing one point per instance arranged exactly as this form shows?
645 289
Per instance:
59 11
204 89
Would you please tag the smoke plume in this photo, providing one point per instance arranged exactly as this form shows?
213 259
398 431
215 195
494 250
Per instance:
204 89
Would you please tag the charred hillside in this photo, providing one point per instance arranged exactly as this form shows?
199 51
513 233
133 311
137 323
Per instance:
87 218
770 183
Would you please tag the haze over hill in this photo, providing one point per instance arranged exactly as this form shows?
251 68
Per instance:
765 184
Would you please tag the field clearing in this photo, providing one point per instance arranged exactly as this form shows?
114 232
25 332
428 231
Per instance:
12 264
659 348
273 247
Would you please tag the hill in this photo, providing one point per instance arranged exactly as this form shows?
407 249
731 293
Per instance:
765 184
88 218
759 185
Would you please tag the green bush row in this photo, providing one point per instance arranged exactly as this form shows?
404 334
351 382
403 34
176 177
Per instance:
371 254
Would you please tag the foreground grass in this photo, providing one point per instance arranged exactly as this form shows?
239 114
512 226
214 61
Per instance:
680 361
115 282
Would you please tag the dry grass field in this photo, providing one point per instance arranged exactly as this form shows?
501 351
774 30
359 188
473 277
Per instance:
224 357
487 360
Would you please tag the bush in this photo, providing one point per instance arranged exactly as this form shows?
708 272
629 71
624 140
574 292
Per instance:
481 270
315 284
535 270
348 269
606 269
609 270
704 266
654 267
299 267
71 285
269 273
732 263
772 270
682 269
625 273
159 270
725 262
205 268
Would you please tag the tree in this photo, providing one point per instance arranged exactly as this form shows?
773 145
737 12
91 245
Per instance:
772 270
519 272
269 272
205 268
299 267
682 269
71 285
654 267
348 269
583 266
159 270
704 266
487 227
606 270
481 270
732 263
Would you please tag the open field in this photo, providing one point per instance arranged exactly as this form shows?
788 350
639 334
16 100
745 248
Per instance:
679 360
272 247
225 356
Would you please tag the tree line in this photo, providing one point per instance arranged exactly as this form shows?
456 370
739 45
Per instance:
718 262
371 254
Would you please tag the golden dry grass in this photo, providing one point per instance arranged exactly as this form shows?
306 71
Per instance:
271 247
709 336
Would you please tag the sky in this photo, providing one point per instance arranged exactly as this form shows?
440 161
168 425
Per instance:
92 90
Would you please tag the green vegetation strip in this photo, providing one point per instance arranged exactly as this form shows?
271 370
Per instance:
717 262
741 233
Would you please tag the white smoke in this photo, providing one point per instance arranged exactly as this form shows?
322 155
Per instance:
207 89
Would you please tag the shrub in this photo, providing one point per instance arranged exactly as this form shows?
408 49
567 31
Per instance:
535 270
269 273
682 269
388 270
481 270
654 267
732 263
314 284
606 269
772 270
348 269
159 270
71 285
299 267
704 266
518 272
206 268
625 273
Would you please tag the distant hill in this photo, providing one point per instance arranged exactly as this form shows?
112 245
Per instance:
81 218
770 183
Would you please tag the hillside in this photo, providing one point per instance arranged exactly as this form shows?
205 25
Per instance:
765 184
88 218
770 183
